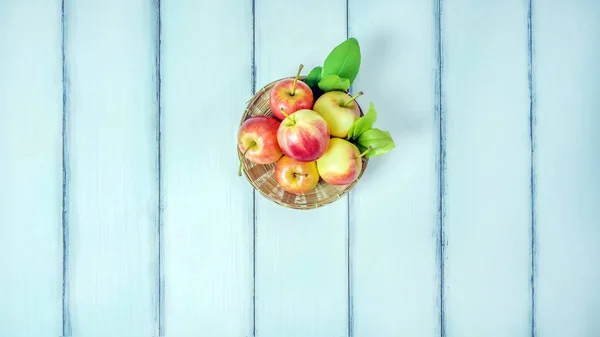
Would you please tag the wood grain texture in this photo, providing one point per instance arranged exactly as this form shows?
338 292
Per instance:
301 267
112 114
394 232
206 82
566 77
487 215
30 168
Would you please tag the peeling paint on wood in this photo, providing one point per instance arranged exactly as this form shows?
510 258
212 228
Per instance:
487 218
394 209
30 168
113 173
566 78
206 81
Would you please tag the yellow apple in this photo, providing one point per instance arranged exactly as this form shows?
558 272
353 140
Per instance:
341 164
339 109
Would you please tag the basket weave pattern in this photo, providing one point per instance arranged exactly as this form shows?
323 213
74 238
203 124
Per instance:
262 177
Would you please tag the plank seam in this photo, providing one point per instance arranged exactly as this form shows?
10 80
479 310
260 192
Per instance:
66 316
253 90
350 288
349 255
532 162
160 208
442 160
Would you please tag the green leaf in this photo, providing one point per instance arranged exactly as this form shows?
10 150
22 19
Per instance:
379 141
361 148
380 151
351 130
344 60
375 138
334 82
365 122
314 77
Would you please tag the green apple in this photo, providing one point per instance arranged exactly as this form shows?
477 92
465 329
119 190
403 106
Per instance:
339 109
342 162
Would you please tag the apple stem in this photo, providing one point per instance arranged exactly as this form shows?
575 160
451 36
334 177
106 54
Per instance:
286 115
353 98
248 148
366 151
296 79
301 174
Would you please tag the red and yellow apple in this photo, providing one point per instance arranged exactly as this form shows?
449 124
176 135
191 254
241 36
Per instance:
339 109
341 164
296 177
290 95
257 140
303 136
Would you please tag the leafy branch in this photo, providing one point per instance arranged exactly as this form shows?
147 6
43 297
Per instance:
339 69
337 73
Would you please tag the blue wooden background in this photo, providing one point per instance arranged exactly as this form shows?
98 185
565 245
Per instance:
121 213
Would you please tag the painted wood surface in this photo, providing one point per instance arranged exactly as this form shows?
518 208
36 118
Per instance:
112 184
566 77
30 168
487 198
206 82
480 222
301 267
394 208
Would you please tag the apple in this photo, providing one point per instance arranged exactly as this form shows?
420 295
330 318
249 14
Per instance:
339 109
296 177
290 95
303 136
341 164
257 140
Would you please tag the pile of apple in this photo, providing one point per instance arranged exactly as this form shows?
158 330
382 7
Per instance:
317 131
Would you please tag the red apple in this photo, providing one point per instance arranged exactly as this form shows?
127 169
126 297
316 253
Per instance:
303 136
296 177
339 110
290 95
257 140
341 164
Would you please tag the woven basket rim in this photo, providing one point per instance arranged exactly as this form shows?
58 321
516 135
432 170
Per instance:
247 114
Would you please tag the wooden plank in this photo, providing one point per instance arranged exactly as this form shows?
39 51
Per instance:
566 40
30 168
487 222
394 244
113 199
301 267
206 82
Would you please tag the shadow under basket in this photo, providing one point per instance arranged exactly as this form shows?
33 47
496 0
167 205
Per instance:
262 177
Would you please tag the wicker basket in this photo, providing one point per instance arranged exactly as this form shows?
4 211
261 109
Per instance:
262 177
